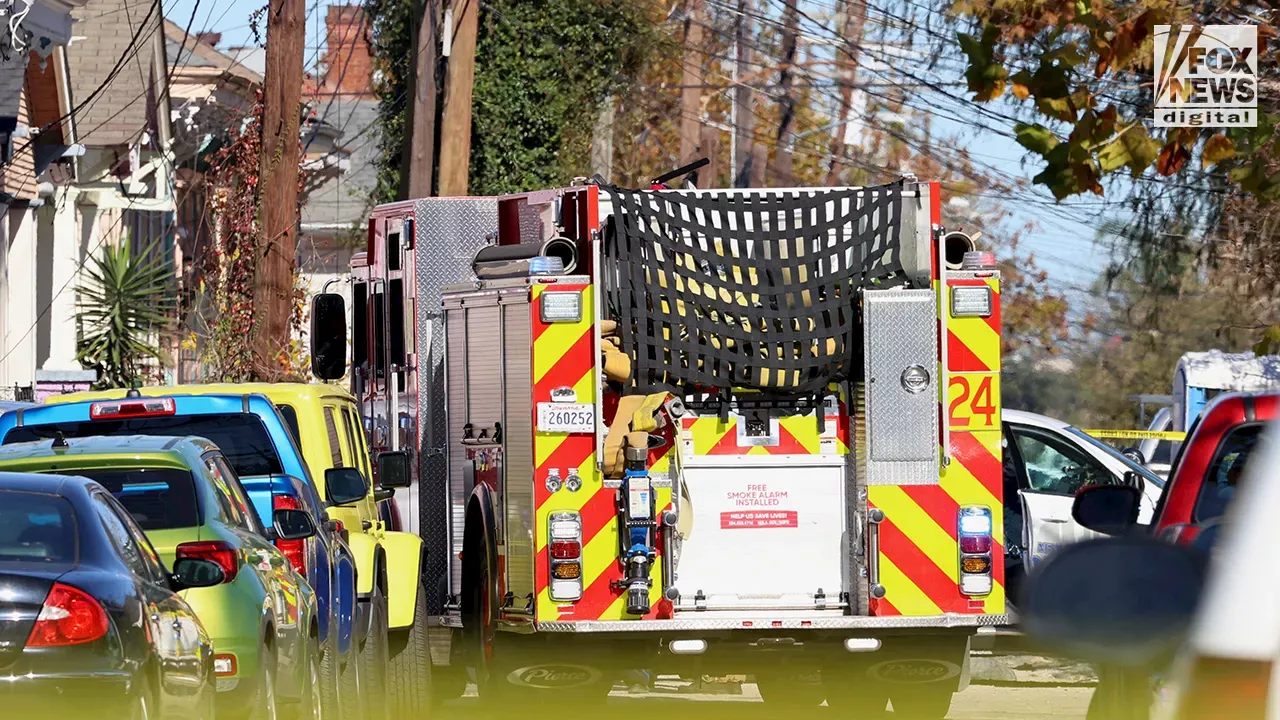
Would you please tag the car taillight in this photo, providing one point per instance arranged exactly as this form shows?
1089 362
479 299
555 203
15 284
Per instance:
1180 534
565 533
215 551
974 524
70 616
294 550
1223 689
151 407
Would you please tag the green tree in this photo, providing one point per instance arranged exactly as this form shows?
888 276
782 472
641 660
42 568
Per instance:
126 299
391 39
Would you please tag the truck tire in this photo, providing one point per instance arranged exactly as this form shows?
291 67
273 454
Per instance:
330 678
921 703
350 697
410 667
264 705
374 660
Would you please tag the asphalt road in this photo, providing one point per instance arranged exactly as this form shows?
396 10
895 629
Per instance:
978 702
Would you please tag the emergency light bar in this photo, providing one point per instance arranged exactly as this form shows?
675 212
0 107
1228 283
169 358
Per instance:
152 407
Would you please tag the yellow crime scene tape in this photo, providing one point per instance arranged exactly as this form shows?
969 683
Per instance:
1135 434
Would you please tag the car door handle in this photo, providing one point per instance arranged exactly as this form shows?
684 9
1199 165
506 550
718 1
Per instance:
1056 521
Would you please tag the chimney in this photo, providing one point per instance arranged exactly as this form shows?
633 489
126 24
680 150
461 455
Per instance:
209 38
348 62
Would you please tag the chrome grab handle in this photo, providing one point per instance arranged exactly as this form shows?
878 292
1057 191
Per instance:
875 516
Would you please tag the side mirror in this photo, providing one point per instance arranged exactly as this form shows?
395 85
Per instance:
328 336
196 573
1107 509
1134 480
1135 455
394 470
293 525
343 486
1126 602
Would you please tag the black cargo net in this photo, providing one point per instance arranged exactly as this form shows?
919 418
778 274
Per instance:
714 291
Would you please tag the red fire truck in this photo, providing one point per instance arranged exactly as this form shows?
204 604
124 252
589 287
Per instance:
689 431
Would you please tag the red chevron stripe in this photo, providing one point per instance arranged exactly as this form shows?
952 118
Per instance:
979 461
538 326
727 445
575 361
917 566
960 358
787 444
883 608
937 503
993 320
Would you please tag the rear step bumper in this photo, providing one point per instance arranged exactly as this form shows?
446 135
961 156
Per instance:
702 623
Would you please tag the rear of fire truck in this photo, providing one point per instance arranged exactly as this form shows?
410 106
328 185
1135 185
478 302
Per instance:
696 432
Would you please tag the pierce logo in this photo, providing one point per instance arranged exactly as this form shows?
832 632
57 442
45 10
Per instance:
914 671
553 677
1206 76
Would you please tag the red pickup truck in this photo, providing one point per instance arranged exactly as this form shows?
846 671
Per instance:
1203 477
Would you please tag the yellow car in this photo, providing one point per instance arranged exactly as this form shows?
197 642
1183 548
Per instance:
326 423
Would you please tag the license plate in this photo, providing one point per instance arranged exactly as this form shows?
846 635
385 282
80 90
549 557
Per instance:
566 417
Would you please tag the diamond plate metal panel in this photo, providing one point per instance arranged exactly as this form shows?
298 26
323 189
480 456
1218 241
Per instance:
901 345
448 234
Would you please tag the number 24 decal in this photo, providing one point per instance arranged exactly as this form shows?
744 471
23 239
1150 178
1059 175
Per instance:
979 400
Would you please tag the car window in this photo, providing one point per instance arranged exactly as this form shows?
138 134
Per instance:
242 437
331 429
123 542
360 450
1223 476
290 416
140 541
156 498
37 527
238 513
1054 464
239 496
1116 455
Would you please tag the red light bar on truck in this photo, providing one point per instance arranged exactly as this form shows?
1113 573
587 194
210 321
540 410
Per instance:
150 407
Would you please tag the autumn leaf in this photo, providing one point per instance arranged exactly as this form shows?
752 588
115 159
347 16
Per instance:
1172 158
986 76
1216 149
1143 149
1036 138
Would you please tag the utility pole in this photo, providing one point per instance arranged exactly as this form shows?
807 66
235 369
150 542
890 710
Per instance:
455 130
278 183
744 124
710 146
782 161
855 22
419 153
691 79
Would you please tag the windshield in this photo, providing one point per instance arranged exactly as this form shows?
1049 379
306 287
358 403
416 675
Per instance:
1146 474
242 437
158 499
36 527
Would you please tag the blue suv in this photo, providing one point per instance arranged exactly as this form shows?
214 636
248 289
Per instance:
247 429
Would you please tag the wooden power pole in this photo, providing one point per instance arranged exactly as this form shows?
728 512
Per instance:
744 124
278 183
455 129
691 80
782 161
420 141
855 22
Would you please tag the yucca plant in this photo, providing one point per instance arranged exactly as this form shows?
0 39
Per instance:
126 298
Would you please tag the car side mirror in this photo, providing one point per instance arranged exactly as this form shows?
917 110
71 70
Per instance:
1125 602
394 470
196 573
344 486
1107 509
292 524
1135 480
328 336
1135 455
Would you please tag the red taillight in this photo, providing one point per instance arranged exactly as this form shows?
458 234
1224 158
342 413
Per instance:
975 543
151 407
1180 534
566 550
70 616
294 550
215 551
1222 689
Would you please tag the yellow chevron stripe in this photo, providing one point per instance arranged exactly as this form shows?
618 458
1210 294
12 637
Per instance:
563 500
551 345
547 610
545 444
905 595
965 489
708 432
918 526
805 431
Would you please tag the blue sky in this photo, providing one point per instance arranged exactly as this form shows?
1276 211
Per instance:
1063 243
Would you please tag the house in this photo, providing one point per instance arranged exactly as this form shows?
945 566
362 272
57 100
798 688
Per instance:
36 144
335 209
